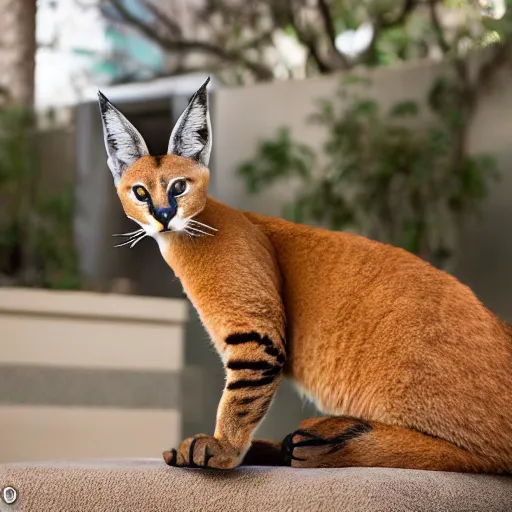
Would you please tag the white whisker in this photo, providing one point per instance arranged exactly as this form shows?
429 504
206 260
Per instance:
131 240
137 232
189 233
200 231
201 224
138 240
124 243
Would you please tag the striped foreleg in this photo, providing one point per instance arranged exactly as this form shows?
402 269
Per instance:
254 364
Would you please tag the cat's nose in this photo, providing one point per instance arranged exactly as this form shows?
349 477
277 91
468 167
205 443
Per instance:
164 215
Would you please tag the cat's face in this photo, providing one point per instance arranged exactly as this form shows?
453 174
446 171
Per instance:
163 193
160 193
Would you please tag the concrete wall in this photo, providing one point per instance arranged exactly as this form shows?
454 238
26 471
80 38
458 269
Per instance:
244 116
89 375
56 153
485 261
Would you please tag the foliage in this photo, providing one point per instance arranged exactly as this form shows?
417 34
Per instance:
254 41
390 175
281 158
36 234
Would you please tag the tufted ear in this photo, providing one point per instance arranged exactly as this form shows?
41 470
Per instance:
124 144
191 137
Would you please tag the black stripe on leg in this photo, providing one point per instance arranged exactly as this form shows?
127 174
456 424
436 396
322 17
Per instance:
240 384
266 402
207 456
238 339
247 400
337 442
274 370
350 433
266 341
272 351
262 402
191 462
287 447
250 365
255 419
253 336
258 415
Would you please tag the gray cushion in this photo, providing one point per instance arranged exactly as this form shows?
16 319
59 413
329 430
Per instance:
149 485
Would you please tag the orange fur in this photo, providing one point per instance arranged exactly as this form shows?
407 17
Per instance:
368 331
347 442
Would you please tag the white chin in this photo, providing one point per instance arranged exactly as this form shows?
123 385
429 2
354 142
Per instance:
151 230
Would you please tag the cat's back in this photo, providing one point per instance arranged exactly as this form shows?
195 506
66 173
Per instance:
337 255
348 290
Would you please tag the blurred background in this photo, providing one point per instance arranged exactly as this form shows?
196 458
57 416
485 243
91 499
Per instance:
389 118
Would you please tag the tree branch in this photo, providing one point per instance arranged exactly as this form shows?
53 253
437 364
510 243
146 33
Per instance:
330 30
438 28
328 21
289 11
256 41
409 6
170 24
175 71
501 55
313 52
183 45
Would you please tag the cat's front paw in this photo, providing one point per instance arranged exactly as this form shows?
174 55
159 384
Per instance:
203 451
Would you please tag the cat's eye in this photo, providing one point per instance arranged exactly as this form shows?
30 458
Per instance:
178 188
141 193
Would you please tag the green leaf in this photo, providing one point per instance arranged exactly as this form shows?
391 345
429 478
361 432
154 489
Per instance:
349 20
289 30
353 79
412 236
404 109
368 108
293 212
277 159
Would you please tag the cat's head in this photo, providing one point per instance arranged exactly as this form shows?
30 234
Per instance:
161 193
